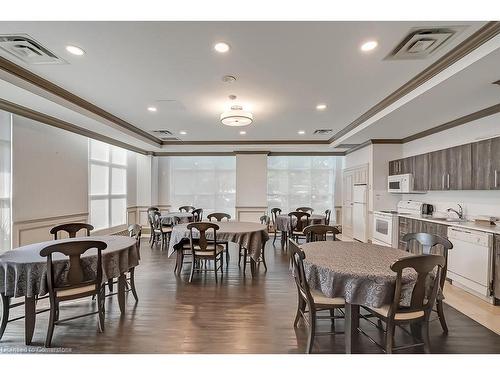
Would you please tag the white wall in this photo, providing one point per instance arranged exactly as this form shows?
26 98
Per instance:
475 202
251 186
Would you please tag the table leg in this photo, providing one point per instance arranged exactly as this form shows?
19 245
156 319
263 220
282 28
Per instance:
5 313
122 281
29 318
351 325
283 239
253 265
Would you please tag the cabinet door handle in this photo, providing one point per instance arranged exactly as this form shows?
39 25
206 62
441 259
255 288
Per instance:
442 182
496 178
448 180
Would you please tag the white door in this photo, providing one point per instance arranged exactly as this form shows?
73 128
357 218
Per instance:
359 222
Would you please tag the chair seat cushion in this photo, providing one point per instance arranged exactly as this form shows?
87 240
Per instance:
75 291
321 299
384 311
209 250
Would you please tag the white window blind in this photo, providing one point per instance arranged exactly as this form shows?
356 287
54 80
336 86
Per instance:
296 181
207 182
108 185
5 181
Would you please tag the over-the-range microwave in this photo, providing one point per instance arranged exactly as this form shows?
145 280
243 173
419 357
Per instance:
401 183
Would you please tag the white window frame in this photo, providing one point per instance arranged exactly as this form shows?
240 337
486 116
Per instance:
110 165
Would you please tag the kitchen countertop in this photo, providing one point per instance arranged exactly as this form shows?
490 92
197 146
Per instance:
495 229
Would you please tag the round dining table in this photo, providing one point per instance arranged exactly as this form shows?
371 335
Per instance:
248 235
184 217
23 272
358 272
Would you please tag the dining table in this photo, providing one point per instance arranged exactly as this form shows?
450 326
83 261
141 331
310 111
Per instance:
248 235
358 272
283 223
184 217
23 273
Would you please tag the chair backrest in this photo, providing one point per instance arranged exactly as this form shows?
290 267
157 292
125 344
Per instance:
302 220
71 228
297 257
135 231
202 242
431 244
198 214
421 297
152 208
275 212
186 209
76 276
218 216
318 232
155 219
328 213
264 219
305 209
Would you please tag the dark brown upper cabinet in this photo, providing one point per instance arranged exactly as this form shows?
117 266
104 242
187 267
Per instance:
486 164
401 166
451 168
421 172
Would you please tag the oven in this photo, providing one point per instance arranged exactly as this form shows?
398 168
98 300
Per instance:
385 228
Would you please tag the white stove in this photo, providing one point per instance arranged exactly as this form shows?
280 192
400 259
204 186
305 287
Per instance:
386 223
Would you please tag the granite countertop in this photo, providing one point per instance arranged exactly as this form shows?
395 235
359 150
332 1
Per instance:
464 224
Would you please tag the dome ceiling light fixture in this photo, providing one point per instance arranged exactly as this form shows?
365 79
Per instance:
236 116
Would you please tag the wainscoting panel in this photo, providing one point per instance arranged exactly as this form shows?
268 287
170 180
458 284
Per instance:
251 214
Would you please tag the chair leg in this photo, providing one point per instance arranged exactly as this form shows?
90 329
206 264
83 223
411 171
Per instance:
227 255
300 307
389 337
244 260
275 235
263 256
5 313
332 315
312 331
100 309
239 255
110 285
50 329
215 268
193 264
442 320
132 284
425 334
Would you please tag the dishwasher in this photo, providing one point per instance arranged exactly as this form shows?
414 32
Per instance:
470 262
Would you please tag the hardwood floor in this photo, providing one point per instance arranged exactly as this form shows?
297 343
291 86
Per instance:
237 315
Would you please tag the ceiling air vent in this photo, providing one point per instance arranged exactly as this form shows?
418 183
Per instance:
421 43
165 135
27 49
322 131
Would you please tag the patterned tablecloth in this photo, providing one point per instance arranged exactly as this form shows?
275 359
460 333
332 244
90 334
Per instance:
23 272
249 235
166 219
283 221
359 272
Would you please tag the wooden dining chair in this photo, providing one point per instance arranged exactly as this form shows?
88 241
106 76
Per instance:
274 213
297 226
319 232
328 214
78 283
71 229
204 249
150 222
309 210
419 310
218 216
310 301
161 232
198 215
186 209
433 244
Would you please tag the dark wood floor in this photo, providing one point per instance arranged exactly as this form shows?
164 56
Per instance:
237 315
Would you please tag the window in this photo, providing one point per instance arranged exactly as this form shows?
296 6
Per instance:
295 181
205 182
5 180
108 185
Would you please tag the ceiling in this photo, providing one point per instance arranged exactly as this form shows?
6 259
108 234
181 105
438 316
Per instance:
283 70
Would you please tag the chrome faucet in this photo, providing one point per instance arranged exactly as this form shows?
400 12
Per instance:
460 211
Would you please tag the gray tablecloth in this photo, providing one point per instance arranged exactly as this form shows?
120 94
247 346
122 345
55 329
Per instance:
23 272
283 221
359 272
166 219
249 235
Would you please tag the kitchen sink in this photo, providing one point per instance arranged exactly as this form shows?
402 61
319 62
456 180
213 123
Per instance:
450 219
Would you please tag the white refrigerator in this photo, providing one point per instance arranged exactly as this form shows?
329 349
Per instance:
359 213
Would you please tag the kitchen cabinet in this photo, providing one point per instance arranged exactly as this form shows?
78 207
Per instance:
401 166
407 225
496 274
421 172
486 164
451 168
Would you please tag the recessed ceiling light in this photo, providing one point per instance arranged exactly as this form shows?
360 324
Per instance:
152 109
369 46
221 47
182 132
301 132
321 107
75 50
243 132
